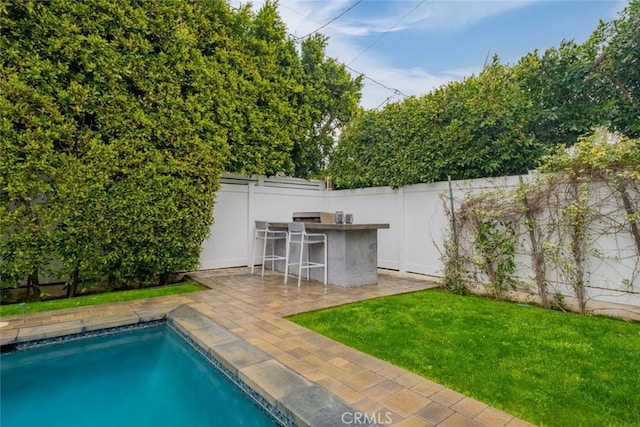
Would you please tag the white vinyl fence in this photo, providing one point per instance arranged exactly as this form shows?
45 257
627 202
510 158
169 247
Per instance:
418 223
413 243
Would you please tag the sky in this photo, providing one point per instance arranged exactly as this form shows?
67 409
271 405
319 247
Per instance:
410 47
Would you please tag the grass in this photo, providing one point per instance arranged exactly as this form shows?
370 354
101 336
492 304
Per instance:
547 367
103 298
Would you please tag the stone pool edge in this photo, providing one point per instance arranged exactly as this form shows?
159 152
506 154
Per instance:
297 398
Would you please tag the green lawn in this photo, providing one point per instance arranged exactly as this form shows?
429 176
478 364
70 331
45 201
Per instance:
104 298
547 367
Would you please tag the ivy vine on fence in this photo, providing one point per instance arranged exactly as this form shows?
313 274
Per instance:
547 234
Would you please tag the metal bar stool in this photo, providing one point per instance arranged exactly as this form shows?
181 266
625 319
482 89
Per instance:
299 236
262 232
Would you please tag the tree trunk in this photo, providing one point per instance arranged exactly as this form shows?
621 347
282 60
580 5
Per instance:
628 207
164 279
34 284
72 289
577 244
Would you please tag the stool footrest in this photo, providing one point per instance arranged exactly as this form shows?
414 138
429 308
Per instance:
299 236
263 233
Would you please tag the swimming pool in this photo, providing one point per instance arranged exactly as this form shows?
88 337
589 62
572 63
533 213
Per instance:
147 376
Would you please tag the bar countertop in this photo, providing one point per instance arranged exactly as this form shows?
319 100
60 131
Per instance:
328 226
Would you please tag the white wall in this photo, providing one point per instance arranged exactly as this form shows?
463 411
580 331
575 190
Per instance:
238 207
376 205
418 227
415 213
226 244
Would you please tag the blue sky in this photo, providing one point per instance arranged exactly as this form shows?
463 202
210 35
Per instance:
410 47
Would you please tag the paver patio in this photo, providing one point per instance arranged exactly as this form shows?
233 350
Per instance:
253 308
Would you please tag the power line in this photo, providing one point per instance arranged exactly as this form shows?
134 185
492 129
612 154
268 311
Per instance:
387 32
395 91
383 103
324 25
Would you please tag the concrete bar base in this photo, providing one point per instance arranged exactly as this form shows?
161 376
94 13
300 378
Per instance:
352 253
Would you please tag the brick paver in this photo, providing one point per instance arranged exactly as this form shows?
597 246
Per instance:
254 308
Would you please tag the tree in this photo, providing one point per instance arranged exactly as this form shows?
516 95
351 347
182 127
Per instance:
82 206
505 119
616 70
467 129
288 105
329 101
111 150
118 118
263 75
26 166
576 88
365 144
31 130
484 120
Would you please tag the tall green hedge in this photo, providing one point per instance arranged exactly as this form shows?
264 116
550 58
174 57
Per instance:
110 149
503 120
467 129
118 118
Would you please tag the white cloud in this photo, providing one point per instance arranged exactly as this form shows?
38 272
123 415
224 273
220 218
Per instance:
404 15
408 82
303 17
450 15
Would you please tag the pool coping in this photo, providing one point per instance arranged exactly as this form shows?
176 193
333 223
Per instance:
257 308
287 396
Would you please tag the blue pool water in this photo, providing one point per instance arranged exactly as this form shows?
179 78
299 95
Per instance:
144 377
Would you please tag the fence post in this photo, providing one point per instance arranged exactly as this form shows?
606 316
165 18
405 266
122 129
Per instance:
537 256
453 216
402 217
251 190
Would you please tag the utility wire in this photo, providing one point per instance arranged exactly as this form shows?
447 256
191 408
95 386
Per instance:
342 13
383 103
387 32
395 91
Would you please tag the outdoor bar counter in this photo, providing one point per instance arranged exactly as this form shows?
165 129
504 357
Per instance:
352 252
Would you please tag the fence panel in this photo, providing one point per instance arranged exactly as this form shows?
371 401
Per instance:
237 207
418 229
226 244
376 205
426 225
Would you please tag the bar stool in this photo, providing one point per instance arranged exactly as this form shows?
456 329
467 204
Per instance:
262 232
299 236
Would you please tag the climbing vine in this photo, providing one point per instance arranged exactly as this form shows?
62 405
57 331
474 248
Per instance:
551 235
496 245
